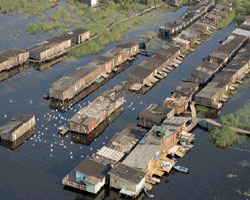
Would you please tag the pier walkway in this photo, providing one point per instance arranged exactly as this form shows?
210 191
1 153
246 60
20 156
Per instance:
196 120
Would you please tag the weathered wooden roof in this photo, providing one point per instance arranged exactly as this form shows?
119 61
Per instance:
92 168
141 155
14 124
127 173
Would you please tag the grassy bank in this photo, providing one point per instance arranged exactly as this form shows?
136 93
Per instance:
97 20
244 116
25 6
224 136
79 15
241 9
94 46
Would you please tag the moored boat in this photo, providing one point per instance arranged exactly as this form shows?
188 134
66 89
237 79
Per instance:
147 193
188 145
181 169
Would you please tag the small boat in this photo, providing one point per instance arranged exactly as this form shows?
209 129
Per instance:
99 80
156 180
46 96
188 145
148 194
181 169
174 159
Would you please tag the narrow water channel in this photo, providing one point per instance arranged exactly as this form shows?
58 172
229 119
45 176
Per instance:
35 169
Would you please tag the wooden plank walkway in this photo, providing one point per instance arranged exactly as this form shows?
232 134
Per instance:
196 120
238 130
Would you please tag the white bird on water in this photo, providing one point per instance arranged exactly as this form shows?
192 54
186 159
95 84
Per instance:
5 116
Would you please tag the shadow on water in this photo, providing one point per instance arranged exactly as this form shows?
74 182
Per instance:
19 141
104 194
64 106
88 138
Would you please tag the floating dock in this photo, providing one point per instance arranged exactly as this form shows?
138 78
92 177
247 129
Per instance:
89 117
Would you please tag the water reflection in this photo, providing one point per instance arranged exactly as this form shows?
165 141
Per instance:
88 138
64 106
19 141
105 193
4 75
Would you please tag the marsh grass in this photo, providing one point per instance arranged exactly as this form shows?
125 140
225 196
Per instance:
232 176
241 9
224 136
25 6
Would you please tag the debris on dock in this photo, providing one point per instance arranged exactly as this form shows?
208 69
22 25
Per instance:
63 130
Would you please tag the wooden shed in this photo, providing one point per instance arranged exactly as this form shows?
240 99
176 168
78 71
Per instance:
130 181
17 127
154 114
70 85
49 49
78 36
12 57
92 3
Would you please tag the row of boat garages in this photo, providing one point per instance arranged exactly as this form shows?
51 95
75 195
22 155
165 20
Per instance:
134 158
169 56
42 52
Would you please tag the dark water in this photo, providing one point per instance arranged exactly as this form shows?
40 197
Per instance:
35 169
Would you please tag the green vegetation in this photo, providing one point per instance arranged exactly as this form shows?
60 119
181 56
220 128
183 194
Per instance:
232 176
243 114
241 9
25 6
244 163
149 34
79 15
223 136
94 46
206 112
246 193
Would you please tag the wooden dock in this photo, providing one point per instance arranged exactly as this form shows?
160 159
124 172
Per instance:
196 120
